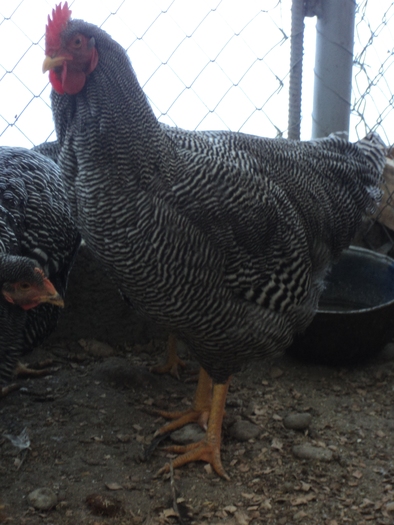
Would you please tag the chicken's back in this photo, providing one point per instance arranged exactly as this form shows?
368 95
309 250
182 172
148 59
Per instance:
246 229
330 182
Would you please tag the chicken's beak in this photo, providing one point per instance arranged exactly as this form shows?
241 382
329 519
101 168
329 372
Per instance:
50 295
51 62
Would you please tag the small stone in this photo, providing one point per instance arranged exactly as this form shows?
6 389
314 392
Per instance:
298 421
300 515
244 430
241 518
42 499
96 348
287 486
390 506
307 451
188 434
114 486
276 372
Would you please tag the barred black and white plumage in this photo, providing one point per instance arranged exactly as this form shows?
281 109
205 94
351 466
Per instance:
36 231
48 149
222 238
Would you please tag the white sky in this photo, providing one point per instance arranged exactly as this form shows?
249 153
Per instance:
205 64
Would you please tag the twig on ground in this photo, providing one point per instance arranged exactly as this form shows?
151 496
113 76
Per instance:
174 495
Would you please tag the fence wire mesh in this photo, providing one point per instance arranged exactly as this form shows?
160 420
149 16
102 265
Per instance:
373 69
212 64
203 64
373 103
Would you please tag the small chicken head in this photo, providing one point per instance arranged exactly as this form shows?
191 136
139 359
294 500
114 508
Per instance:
70 55
30 290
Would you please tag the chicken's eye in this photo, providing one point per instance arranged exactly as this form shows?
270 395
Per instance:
77 42
24 286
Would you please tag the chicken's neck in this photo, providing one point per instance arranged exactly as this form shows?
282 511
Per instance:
113 151
112 129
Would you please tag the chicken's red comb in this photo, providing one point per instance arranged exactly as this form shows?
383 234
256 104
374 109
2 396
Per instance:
60 17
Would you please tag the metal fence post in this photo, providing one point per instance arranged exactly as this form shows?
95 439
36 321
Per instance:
295 84
333 67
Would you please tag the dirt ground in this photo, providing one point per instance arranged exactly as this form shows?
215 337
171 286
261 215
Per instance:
89 422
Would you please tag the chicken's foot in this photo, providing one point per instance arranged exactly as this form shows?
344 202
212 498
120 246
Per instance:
199 413
207 449
40 369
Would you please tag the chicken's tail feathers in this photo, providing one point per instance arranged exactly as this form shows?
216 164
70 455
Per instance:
375 153
375 150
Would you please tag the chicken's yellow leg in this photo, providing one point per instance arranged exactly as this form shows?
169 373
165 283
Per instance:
199 413
22 370
207 449
43 369
173 361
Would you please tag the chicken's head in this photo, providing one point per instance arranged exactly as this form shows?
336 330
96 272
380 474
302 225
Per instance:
30 289
70 55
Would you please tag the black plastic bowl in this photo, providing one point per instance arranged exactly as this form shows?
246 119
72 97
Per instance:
355 318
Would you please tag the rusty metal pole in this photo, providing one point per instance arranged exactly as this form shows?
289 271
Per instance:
296 54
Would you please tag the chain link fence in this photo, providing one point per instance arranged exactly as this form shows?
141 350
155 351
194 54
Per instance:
212 64
373 70
203 65
373 103
207 65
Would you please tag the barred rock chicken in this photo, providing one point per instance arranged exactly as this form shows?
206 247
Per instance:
38 242
222 238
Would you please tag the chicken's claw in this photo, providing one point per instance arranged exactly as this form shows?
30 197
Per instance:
200 451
